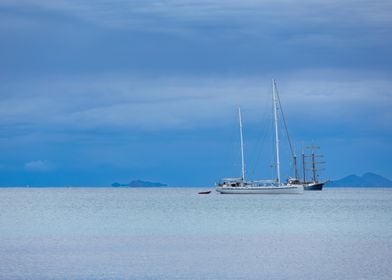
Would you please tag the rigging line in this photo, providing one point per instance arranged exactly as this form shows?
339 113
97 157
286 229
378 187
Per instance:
260 147
231 145
272 163
284 122
260 141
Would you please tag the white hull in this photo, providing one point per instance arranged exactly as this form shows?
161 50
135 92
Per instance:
284 189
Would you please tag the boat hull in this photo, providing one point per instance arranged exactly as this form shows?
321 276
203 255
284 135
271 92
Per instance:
314 187
206 192
261 190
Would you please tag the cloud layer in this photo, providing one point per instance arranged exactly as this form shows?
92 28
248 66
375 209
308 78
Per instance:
131 85
113 102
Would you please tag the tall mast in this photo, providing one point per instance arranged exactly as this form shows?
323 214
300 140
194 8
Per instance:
313 166
295 166
303 163
242 146
276 130
293 152
314 156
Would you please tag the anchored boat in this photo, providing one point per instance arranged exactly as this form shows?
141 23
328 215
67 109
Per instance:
274 186
314 184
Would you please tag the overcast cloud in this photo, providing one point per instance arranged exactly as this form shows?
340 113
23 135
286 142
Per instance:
78 76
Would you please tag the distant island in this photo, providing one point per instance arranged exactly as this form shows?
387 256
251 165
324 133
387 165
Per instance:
139 184
367 180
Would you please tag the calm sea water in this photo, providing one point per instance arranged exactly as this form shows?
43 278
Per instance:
124 233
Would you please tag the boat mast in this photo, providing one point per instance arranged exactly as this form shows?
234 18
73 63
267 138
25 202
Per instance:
242 146
314 156
276 131
313 167
303 163
295 166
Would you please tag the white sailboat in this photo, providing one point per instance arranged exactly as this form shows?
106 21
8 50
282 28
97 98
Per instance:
274 186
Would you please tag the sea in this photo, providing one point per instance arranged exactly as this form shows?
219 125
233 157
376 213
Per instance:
176 233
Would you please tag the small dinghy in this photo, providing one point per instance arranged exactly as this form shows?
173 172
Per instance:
206 192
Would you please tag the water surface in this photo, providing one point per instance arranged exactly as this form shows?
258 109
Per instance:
95 233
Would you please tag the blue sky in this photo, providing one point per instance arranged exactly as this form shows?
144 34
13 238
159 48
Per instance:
94 92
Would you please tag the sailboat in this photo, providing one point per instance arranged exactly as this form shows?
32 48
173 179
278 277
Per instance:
272 186
314 184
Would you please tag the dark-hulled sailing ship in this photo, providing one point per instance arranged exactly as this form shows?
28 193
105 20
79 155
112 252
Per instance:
309 162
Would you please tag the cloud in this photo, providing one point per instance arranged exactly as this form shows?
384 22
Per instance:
376 11
108 76
121 103
193 37
38 166
261 18
183 85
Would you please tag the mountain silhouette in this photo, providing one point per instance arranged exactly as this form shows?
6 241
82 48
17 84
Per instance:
366 180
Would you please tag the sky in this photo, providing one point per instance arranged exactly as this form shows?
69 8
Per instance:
94 92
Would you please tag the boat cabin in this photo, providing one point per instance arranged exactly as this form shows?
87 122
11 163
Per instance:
231 182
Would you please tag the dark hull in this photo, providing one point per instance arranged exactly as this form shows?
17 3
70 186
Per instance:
313 187
207 192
